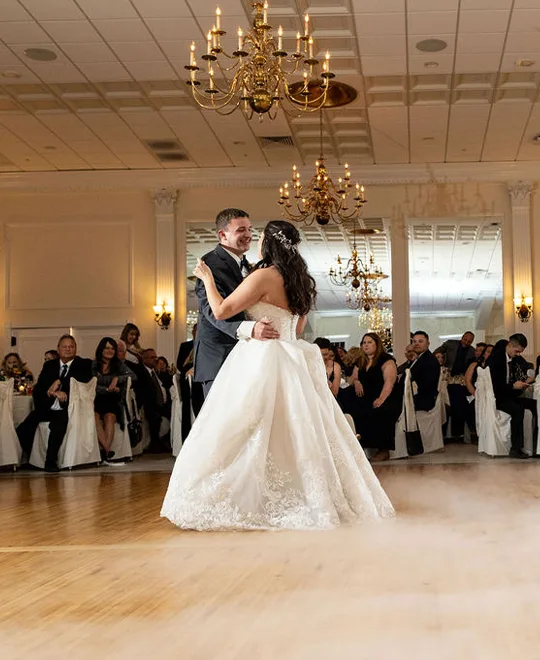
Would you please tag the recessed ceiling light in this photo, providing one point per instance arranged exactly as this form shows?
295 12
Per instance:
431 65
431 45
536 138
524 62
41 54
11 74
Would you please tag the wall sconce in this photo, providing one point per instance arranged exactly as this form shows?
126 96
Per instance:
524 308
163 314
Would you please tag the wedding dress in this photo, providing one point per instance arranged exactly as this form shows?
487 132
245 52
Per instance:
271 448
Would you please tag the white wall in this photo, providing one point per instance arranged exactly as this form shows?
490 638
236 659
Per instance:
77 260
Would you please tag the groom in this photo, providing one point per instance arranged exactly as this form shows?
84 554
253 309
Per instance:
216 339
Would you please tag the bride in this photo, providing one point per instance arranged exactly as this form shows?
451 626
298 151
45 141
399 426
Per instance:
271 448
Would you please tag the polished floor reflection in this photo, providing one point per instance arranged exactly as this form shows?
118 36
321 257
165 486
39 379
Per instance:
87 568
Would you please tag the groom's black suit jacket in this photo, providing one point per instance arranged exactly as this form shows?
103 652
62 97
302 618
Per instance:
216 339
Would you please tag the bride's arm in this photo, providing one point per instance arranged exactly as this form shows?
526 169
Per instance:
301 325
250 291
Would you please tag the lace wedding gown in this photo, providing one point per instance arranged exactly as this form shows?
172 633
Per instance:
271 448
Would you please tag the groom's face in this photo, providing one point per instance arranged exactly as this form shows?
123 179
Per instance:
237 235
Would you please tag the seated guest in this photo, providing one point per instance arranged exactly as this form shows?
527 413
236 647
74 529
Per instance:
154 400
410 357
458 355
350 361
51 399
333 370
509 378
379 402
50 355
163 372
340 354
14 367
112 376
131 335
121 352
425 373
479 349
191 393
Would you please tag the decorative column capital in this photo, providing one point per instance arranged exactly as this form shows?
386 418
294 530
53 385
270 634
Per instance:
164 201
520 192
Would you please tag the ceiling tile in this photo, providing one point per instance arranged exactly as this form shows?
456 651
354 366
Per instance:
389 132
150 70
432 5
107 8
486 4
81 52
71 31
19 32
7 57
176 29
384 66
522 41
466 132
383 46
481 63
506 125
11 10
26 74
146 51
525 20
487 43
417 65
163 8
479 22
52 9
432 23
374 6
379 25
53 73
104 71
123 30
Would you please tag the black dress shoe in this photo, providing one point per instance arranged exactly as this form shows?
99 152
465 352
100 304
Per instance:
517 453
51 467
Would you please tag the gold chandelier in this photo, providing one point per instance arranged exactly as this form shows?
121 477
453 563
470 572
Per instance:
322 201
261 71
363 280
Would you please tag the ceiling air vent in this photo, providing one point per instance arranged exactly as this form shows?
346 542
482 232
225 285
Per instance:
276 141
164 145
172 157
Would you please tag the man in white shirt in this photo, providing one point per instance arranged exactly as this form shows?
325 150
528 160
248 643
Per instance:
216 339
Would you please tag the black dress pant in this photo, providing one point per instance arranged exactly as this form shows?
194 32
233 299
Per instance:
516 409
458 408
58 421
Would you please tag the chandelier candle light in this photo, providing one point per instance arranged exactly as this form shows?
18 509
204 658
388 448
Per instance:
260 72
322 201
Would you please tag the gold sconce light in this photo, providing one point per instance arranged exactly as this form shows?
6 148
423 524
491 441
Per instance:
163 314
524 308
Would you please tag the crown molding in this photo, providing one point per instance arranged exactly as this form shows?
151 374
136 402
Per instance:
243 177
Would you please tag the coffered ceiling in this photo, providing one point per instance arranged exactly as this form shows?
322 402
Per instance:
115 96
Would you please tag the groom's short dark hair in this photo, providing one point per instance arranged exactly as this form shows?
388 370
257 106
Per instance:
224 217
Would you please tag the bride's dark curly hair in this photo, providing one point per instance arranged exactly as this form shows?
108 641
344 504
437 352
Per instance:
280 249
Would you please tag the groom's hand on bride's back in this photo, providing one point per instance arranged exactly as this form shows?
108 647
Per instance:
264 330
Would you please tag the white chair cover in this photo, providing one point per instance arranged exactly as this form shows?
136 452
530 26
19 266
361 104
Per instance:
428 422
443 399
493 425
350 421
10 448
121 445
135 412
176 416
80 445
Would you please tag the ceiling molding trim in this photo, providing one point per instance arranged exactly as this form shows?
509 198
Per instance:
237 177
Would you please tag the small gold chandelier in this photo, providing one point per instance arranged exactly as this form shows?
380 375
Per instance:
363 280
261 69
322 201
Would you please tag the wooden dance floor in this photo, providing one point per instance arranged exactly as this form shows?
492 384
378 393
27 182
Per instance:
89 570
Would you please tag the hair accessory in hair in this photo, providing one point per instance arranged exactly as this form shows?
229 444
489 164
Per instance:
286 242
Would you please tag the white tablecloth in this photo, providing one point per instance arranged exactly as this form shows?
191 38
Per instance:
22 405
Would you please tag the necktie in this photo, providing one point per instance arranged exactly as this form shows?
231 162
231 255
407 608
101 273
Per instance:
244 266
159 392
64 371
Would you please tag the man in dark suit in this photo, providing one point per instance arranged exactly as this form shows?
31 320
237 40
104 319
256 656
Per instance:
51 399
509 378
425 373
154 399
216 339
458 354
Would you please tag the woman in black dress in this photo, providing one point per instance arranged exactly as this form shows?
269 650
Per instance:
378 404
112 375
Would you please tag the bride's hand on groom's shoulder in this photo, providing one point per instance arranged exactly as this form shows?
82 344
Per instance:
202 271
